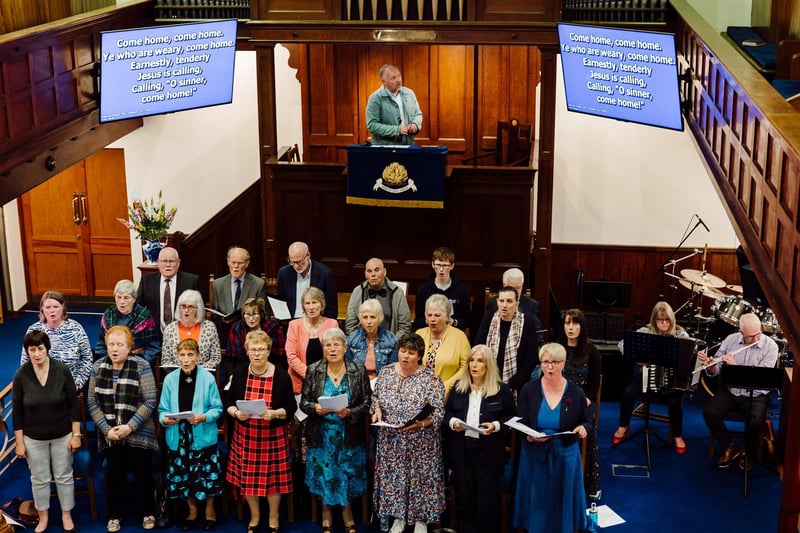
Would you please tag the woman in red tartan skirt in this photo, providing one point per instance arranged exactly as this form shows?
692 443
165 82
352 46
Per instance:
259 456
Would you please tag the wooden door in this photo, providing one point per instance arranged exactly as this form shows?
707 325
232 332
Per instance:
73 242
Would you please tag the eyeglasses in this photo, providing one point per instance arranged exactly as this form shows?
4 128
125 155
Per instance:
252 315
168 261
551 363
333 345
751 338
440 266
667 320
297 263
187 306
237 263
257 350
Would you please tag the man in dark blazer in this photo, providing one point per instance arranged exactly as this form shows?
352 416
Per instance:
303 272
513 277
237 282
152 286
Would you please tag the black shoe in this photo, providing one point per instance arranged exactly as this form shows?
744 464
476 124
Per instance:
73 530
188 524
209 525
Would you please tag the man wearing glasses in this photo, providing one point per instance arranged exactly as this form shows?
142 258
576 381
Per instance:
443 282
302 272
159 292
747 347
231 290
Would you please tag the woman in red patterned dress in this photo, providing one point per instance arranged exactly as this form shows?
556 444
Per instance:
259 457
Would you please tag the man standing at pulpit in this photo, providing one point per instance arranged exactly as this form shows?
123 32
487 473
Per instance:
393 113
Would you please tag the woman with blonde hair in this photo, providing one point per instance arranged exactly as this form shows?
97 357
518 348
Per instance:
481 400
662 322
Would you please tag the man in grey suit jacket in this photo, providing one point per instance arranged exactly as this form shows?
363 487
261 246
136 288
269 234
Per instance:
151 286
238 283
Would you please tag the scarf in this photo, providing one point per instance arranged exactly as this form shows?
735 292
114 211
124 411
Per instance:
121 403
512 343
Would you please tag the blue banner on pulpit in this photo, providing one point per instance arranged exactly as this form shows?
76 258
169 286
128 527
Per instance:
396 176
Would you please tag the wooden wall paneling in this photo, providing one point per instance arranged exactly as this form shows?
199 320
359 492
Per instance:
638 266
508 76
21 14
450 95
517 10
204 251
296 9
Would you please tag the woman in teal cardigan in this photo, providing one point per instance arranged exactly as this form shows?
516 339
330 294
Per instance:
191 396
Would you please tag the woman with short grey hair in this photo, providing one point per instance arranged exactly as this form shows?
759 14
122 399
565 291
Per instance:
137 318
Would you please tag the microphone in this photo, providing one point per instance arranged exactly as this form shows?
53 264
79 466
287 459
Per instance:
700 220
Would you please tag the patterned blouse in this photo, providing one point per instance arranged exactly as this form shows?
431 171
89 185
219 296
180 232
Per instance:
70 345
208 342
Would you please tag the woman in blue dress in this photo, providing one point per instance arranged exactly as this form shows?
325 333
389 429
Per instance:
550 496
336 461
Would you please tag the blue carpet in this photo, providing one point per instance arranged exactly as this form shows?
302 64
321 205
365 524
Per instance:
683 493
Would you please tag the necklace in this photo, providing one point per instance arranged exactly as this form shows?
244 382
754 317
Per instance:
336 377
187 331
256 373
187 378
312 329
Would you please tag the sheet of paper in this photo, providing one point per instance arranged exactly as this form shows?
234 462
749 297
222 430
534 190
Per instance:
468 427
183 415
254 407
279 308
607 517
334 403
383 424
515 423
11 521
299 415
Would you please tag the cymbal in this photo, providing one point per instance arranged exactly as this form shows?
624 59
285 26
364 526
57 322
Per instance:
702 278
707 291
735 288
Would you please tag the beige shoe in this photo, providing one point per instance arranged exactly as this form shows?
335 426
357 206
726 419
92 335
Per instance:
113 525
149 522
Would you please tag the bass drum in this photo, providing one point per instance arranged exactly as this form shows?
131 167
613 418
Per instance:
730 309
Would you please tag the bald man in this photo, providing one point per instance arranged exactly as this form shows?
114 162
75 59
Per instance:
153 292
393 113
302 272
396 314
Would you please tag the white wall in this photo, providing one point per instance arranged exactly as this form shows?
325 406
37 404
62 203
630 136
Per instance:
201 159
622 183
723 13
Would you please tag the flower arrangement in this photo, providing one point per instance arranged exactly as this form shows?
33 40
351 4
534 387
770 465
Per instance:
150 219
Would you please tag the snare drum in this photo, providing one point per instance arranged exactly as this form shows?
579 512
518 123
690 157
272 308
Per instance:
730 309
769 322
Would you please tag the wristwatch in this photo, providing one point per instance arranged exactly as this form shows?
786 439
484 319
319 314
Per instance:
79 435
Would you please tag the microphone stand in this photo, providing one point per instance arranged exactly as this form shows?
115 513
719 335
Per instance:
671 262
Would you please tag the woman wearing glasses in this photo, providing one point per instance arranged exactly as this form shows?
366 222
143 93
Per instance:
336 468
254 318
191 324
550 495
259 458
662 322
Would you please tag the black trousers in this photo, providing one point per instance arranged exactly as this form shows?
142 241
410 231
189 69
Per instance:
723 402
119 459
674 401
477 493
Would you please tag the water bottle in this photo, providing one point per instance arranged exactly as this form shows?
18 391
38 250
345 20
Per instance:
592 526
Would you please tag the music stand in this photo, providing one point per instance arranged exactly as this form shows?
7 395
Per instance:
664 351
751 378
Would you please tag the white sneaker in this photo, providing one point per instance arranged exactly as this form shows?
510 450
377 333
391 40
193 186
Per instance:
398 526
420 527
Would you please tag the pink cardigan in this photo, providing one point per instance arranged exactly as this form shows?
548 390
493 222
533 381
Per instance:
296 343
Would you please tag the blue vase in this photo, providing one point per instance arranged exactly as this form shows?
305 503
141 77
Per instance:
151 250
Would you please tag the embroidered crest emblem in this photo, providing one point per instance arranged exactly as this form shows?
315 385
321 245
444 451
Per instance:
395 180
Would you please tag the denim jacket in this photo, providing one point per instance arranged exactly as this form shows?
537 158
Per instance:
385 348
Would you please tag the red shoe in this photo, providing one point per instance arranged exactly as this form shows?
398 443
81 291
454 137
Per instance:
617 440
